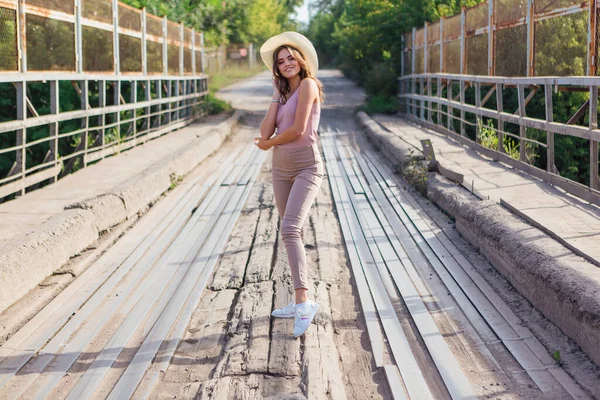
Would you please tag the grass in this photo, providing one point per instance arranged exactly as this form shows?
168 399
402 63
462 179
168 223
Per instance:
231 75
381 105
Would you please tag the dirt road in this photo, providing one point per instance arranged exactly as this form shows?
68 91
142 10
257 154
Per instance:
180 306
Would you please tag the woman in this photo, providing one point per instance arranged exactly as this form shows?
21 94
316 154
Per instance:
290 127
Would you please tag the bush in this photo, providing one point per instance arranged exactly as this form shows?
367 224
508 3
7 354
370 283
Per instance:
381 105
381 80
212 105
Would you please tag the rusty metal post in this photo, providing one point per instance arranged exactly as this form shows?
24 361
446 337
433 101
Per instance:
181 50
522 128
463 52
21 156
165 48
478 119
442 70
144 42
21 36
442 45
462 89
594 144
102 117
78 38
530 38
425 49
85 122
500 109
54 109
202 51
413 86
194 53
549 135
402 72
449 109
491 37
116 52
592 39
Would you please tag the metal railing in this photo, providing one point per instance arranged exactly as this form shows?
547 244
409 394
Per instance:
86 79
464 72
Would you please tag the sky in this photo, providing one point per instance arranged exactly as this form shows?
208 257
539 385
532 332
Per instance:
302 12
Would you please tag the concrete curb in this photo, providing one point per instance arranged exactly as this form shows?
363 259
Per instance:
560 284
41 253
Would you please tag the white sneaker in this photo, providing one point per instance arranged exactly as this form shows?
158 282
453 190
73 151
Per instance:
285 312
305 313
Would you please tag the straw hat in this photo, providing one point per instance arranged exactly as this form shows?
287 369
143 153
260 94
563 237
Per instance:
293 39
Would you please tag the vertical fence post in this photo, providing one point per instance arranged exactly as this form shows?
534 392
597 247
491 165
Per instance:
148 97
181 50
85 123
522 128
413 86
449 109
102 117
402 71
194 52
442 70
500 108
144 42
477 115
425 105
21 156
165 48
592 71
117 60
425 49
442 46
78 38
202 52
593 143
21 39
133 100
463 52
530 38
54 110
491 38
592 39
549 135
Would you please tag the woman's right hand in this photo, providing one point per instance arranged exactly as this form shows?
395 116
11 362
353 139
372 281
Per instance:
276 94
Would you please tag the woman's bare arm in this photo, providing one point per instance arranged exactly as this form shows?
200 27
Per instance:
267 126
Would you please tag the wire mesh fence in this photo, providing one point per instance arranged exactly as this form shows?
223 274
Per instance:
508 38
55 30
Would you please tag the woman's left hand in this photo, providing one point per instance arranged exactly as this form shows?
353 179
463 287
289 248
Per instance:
263 144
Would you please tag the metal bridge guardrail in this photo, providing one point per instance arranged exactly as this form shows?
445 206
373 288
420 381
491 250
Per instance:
461 72
133 76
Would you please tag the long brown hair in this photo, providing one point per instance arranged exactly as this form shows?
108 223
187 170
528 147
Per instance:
283 84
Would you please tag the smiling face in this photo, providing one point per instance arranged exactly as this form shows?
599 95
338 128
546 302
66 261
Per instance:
287 65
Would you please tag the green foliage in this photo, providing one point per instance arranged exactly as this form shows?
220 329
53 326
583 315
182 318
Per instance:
488 138
212 105
231 21
381 105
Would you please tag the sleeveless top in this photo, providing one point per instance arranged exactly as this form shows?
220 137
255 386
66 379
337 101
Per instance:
285 118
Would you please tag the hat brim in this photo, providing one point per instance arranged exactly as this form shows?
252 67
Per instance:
293 39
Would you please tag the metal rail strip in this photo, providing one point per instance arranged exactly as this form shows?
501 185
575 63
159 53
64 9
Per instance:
31 338
183 307
443 257
169 304
375 220
409 369
154 295
366 300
